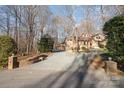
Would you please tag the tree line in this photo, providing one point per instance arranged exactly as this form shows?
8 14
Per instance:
27 24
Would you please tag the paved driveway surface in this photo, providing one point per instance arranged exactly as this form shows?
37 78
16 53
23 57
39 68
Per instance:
62 69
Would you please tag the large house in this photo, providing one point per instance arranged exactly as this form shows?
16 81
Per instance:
85 41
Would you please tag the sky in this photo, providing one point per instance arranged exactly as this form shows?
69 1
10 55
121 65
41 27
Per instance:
79 13
59 10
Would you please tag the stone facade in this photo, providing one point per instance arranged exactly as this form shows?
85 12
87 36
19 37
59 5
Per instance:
85 41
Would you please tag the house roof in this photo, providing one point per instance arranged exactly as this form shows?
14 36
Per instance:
87 36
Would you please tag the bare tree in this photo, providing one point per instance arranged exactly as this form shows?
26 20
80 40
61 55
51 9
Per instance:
69 22
5 19
44 17
31 14
26 24
120 9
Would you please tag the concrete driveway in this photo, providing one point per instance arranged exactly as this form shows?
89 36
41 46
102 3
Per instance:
62 69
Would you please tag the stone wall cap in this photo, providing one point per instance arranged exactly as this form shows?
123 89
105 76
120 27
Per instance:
111 62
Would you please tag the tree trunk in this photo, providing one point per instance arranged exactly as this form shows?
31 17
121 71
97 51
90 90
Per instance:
8 24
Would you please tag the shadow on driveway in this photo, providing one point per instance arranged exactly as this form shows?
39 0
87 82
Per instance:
73 77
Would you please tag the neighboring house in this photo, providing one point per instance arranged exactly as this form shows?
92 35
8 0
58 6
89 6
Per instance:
99 40
85 41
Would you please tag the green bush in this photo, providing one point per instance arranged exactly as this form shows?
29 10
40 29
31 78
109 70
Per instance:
45 44
7 48
120 58
114 30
